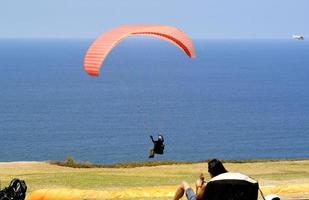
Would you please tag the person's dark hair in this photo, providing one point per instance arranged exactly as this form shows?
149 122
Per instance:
215 167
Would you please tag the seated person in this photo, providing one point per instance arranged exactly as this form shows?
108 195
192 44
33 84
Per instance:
223 185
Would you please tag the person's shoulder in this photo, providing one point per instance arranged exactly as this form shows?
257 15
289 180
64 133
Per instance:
233 176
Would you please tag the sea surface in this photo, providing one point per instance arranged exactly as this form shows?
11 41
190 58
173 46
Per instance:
239 99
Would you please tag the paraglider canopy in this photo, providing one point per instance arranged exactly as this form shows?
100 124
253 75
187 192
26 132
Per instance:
101 47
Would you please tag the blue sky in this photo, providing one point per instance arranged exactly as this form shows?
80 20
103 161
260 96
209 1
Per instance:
199 18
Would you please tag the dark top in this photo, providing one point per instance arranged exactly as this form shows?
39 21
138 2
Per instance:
231 190
158 145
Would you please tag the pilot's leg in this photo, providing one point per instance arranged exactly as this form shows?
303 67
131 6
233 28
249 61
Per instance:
151 153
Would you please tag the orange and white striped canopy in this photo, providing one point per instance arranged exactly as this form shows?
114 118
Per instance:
101 47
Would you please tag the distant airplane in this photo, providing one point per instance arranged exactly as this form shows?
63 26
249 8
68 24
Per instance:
298 37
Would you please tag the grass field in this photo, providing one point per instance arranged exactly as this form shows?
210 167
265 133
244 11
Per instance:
288 178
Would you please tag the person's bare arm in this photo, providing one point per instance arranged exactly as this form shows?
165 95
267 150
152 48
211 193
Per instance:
200 187
200 192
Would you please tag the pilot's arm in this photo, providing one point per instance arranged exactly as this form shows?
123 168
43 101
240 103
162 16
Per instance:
152 138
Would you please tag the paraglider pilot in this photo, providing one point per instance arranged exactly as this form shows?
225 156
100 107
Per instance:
158 146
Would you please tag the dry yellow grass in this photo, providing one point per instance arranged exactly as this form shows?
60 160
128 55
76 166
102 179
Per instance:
287 178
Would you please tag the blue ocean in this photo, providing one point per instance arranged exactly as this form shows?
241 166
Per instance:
238 99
